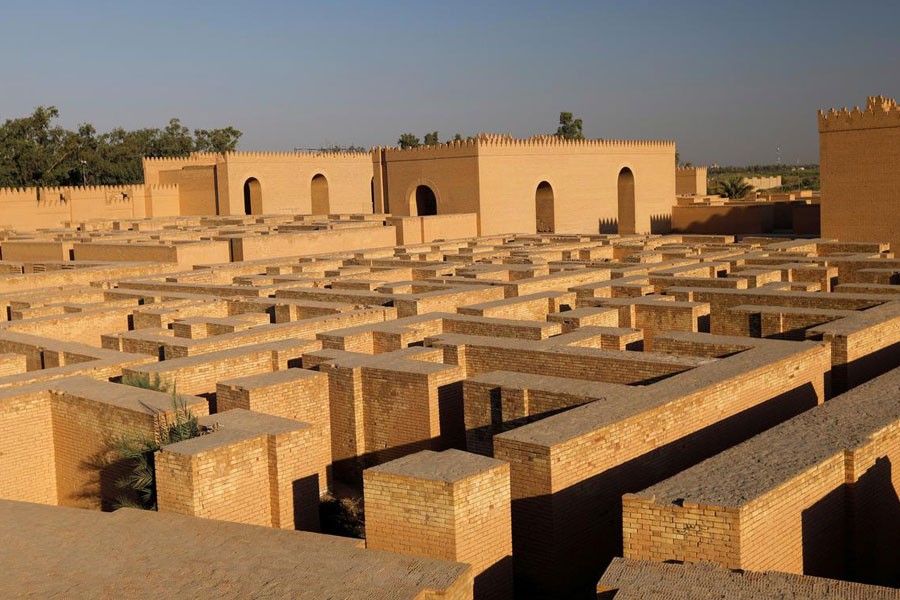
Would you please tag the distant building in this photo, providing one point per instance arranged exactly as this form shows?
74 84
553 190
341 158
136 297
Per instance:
542 184
763 183
690 181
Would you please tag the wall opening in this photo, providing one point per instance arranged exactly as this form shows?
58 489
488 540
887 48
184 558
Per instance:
252 197
543 208
426 202
626 202
319 193
373 196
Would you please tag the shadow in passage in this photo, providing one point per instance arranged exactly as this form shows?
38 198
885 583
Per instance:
306 503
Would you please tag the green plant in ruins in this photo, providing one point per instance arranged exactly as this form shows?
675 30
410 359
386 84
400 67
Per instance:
144 381
734 188
137 451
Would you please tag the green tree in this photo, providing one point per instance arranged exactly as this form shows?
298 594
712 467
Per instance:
34 151
216 140
569 128
431 139
408 140
734 188
456 138
174 140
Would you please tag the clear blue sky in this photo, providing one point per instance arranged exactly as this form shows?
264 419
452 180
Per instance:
728 80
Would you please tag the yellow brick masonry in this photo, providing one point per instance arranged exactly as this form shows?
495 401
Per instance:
12 364
253 469
27 457
60 445
415 507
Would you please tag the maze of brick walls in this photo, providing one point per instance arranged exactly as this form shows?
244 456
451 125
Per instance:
512 412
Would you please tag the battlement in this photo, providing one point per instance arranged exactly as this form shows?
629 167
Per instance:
16 192
552 140
161 187
491 141
880 112
193 157
50 191
82 189
250 155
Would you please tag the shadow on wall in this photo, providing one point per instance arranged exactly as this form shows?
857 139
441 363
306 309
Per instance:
480 440
875 506
609 226
660 223
495 581
743 220
824 536
735 220
305 502
852 533
101 475
562 542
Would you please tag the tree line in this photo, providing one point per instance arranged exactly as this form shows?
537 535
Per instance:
36 151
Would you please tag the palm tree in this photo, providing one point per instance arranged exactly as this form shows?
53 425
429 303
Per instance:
139 450
735 188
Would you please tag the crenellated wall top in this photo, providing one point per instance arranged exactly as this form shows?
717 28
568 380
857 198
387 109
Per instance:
880 111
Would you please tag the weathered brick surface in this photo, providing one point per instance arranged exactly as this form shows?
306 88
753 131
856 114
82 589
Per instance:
237 561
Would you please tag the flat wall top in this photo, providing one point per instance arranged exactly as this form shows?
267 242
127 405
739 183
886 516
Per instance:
144 554
645 580
448 466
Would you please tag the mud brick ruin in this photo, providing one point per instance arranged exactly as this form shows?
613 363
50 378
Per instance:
516 407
